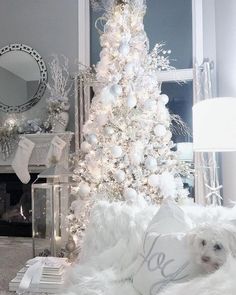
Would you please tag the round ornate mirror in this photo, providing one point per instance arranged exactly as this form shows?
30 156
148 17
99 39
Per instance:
23 78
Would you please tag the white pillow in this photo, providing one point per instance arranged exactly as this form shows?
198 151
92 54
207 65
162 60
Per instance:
170 218
164 257
164 260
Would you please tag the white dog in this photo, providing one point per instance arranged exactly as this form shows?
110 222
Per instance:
213 248
210 245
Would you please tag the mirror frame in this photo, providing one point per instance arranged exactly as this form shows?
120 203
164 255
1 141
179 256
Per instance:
42 81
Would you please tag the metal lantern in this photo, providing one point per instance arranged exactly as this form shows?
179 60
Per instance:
51 193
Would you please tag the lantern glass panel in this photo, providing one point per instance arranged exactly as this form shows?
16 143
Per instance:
41 218
50 206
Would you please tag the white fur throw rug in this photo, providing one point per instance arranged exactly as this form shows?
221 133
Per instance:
112 244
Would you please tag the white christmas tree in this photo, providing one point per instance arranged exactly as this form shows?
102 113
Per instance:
127 152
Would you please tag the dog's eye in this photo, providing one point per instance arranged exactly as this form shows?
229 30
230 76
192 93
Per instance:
217 247
203 243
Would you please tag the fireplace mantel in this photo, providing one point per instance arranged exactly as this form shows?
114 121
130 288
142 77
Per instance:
38 158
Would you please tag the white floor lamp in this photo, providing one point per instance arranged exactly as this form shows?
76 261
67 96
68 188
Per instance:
214 130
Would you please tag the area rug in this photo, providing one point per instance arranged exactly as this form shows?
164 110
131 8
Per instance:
14 252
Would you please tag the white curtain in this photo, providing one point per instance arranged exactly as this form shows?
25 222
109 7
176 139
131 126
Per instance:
206 164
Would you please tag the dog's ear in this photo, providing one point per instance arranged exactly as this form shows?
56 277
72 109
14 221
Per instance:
191 238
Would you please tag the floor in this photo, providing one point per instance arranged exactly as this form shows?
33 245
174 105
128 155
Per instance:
14 252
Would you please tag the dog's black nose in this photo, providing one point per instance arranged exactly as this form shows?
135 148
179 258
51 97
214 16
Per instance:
205 258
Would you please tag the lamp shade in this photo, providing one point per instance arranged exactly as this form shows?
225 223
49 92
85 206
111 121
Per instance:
214 125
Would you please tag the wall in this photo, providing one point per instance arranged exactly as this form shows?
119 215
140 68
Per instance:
49 26
209 38
13 88
226 86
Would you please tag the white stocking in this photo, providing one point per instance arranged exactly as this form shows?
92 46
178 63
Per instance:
55 150
21 160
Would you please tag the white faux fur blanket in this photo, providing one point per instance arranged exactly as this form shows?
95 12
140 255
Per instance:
221 282
111 246
112 242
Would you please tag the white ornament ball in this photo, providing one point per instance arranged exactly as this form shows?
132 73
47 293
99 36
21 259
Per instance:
164 98
116 151
108 130
151 163
160 130
124 48
131 101
92 139
153 180
119 176
102 119
85 147
130 194
116 90
84 190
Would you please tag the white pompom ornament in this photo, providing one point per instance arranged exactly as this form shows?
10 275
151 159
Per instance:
153 180
116 90
151 163
84 190
92 139
108 130
130 194
85 147
116 151
131 101
119 176
164 98
160 130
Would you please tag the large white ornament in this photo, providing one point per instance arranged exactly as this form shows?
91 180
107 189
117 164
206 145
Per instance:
151 163
119 176
160 130
116 90
130 194
164 98
116 151
108 130
92 139
131 101
106 97
129 69
84 190
85 147
153 180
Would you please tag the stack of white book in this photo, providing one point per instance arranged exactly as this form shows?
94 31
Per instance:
41 275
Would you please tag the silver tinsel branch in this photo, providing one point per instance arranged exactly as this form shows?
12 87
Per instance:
178 126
